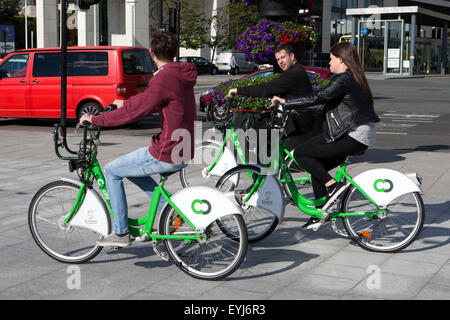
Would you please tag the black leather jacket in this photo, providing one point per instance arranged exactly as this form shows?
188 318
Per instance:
343 104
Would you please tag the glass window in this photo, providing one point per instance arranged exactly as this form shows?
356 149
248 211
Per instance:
368 3
352 4
87 64
338 26
136 62
336 3
345 4
201 60
78 64
47 64
16 66
264 74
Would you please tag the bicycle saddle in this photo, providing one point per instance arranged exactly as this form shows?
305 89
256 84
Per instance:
166 175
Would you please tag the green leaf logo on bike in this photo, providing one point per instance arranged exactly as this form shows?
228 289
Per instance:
383 185
201 206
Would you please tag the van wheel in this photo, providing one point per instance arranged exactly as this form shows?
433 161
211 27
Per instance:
91 107
236 70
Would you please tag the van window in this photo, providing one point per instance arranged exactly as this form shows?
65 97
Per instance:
87 64
47 64
136 62
78 64
16 66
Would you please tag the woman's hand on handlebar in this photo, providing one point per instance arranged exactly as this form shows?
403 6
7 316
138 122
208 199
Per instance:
280 100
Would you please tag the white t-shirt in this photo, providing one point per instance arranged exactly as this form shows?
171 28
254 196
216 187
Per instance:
365 133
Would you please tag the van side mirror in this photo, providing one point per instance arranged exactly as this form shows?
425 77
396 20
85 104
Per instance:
4 74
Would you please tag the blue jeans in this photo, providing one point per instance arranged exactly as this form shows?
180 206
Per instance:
137 167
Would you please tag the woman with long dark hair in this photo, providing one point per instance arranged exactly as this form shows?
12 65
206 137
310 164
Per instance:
349 121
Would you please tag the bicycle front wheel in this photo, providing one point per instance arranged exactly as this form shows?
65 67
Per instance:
391 232
46 214
195 173
259 221
213 257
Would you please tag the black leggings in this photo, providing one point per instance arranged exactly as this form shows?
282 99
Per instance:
316 156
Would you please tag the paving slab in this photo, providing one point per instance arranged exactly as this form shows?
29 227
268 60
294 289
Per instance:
292 263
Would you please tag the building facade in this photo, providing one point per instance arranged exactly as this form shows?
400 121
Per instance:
111 22
129 22
388 44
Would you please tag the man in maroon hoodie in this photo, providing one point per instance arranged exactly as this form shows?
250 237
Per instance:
171 94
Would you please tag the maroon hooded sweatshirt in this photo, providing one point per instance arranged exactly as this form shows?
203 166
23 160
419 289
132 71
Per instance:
170 92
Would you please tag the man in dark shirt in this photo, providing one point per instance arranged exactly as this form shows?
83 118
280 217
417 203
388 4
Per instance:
293 81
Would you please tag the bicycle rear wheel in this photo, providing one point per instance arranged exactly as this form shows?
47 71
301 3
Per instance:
212 258
259 221
46 214
392 232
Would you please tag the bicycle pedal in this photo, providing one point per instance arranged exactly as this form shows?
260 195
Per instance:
143 238
160 252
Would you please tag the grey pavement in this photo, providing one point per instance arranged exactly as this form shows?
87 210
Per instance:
292 263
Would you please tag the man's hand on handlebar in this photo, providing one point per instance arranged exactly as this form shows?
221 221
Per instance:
85 117
118 103
280 100
232 93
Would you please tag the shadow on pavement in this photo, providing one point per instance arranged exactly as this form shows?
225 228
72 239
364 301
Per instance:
389 156
287 259
433 235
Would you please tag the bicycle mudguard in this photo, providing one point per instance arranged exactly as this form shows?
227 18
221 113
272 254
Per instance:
204 205
92 214
384 185
225 162
270 197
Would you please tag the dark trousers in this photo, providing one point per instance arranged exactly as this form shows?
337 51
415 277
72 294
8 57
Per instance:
317 157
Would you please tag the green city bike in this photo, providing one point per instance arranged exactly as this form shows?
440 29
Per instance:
213 158
66 217
382 209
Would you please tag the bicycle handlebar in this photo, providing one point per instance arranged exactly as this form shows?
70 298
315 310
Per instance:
230 107
87 126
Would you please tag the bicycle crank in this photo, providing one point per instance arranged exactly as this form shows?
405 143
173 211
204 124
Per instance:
160 249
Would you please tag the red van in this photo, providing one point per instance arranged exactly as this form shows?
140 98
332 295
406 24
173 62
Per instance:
30 83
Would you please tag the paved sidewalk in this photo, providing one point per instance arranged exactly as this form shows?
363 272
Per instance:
290 264
381 76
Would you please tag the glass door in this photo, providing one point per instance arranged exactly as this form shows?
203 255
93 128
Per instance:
371 45
394 35
380 45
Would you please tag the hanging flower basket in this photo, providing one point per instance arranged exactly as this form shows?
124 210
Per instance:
258 42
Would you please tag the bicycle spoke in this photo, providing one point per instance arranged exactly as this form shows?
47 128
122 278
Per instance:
47 213
212 257
390 232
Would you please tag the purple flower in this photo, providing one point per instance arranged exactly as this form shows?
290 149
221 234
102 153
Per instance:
259 41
